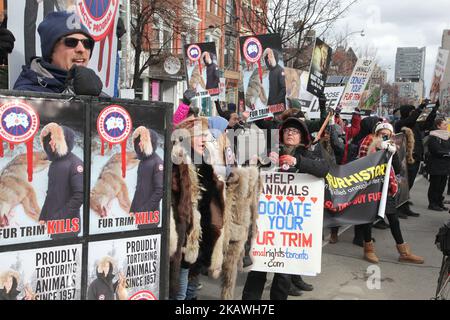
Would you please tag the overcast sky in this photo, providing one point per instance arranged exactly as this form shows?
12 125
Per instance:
389 24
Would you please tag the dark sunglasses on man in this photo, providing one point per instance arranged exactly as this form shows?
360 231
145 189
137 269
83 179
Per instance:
87 43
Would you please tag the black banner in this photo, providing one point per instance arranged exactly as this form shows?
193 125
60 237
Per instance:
402 176
321 60
353 191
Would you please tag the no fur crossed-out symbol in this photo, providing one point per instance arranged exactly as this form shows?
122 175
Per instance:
114 126
19 123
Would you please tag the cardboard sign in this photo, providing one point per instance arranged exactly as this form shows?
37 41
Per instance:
357 84
320 63
439 69
263 75
133 265
289 238
202 67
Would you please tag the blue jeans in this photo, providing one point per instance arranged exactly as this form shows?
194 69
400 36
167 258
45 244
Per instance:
182 285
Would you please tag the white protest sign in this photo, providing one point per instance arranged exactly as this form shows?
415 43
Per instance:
289 238
357 84
439 69
311 102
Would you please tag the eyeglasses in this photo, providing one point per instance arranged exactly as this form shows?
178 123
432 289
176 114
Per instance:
291 130
88 44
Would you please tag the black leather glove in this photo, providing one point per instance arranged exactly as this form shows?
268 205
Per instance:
84 81
424 104
6 41
438 104
188 95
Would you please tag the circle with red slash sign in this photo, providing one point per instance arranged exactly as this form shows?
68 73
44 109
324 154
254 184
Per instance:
19 122
252 49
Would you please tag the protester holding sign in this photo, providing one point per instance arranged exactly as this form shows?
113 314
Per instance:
409 115
381 140
438 164
66 47
294 156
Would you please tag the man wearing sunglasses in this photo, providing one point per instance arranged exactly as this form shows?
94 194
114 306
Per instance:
66 47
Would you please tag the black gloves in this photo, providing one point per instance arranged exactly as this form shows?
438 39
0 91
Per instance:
188 95
424 104
6 41
84 81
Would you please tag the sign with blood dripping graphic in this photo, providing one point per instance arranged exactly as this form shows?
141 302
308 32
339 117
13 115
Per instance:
100 17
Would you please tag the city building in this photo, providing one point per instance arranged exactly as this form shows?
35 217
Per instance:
410 64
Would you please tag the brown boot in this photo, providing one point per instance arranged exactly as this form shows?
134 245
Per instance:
333 236
406 255
369 252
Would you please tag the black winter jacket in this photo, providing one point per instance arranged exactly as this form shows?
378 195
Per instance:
439 156
65 181
102 288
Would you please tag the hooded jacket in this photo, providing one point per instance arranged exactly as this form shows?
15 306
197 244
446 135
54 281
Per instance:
212 71
13 292
439 153
65 175
307 162
150 173
41 76
409 119
103 287
277 82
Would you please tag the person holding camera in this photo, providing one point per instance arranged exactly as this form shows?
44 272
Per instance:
381 140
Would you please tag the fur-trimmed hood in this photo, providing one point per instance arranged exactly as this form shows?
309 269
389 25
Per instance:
145 142
410 142
102 264
13 292
293 122
270 57
207 58
62 136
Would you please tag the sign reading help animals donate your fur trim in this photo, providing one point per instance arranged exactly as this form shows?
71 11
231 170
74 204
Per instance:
127 168
202 67
263 75
357 84
289 238
41 169
124 269
41 274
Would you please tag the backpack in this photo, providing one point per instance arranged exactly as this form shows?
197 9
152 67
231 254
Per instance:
442 240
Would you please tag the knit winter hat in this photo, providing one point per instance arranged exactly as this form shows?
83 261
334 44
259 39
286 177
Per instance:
57 25
384 125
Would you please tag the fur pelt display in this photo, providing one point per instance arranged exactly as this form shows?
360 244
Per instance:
241 211
410 141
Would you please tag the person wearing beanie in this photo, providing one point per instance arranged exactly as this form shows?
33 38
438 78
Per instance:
408 118
438 164
294 156
66 47
381 140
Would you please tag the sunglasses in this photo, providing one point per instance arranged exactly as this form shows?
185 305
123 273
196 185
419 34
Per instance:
88 44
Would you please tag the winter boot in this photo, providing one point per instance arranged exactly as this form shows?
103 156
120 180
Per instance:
369 252
406 255
334 235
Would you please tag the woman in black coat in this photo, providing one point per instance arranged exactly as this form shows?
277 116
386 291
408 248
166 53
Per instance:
438 164
293 156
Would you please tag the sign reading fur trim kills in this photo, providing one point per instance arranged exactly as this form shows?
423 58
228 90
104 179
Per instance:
202 67
49 206
289 238
41 274
263 75
118 201
357 84
354 192
131 265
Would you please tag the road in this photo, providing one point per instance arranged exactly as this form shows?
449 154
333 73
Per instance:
345 275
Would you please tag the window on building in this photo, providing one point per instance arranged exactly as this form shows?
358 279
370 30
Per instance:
216 7
229 52
208 5
230 11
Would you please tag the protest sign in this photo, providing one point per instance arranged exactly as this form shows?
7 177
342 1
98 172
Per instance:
402 176
132 263
127 167
353 191
357 84
263 75
289 224
101 20
42 274
202 71
439 69
320 63
42 170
